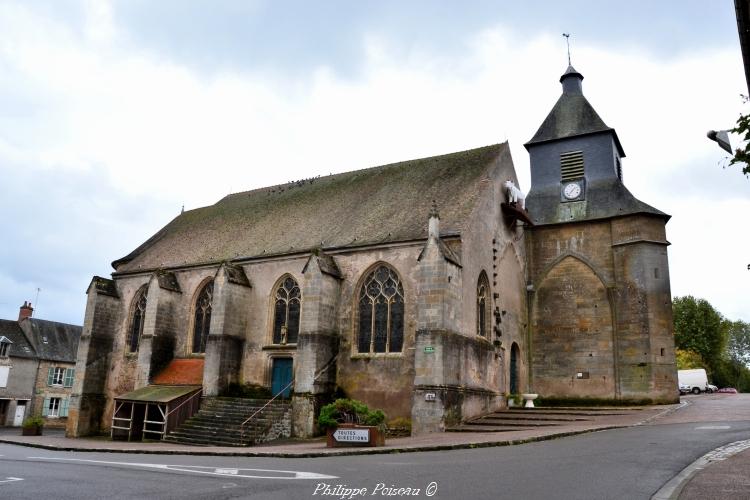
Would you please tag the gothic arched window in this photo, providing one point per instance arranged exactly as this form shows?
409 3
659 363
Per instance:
483 293
139 315
381 312
286 312
202 323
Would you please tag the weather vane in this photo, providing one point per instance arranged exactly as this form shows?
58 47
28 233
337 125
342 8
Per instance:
567 42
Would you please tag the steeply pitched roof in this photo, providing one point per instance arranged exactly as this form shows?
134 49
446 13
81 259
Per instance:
604 200
21 346
572 115
53 341
376 205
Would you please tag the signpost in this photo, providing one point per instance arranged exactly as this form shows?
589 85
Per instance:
352 435
355 435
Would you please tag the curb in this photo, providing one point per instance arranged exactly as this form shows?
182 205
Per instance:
372 451
672 489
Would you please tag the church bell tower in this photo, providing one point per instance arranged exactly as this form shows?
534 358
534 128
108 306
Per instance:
599 297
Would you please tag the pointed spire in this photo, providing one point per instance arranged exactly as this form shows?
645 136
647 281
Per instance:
433 225
434 210
572 81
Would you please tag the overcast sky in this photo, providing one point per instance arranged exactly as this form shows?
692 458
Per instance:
115 114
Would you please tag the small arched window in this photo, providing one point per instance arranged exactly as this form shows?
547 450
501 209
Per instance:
139 315
483 293
381 312
202 323
286 312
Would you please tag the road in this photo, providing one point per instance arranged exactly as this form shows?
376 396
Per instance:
629 463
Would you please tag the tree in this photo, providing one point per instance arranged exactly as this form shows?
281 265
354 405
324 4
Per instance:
742 155
700 328
688 359
738 341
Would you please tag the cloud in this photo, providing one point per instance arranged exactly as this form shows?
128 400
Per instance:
103 139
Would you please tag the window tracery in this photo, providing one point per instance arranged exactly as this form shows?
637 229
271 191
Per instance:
138 318
483 287
202 323
380 325
288 301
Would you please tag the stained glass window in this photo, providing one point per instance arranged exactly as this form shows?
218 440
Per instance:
381 312
139 315
202 323
483 287
286 312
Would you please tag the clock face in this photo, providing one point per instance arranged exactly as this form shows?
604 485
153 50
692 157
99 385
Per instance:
572 191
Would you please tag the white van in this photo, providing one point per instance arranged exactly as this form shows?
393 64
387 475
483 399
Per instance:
695 381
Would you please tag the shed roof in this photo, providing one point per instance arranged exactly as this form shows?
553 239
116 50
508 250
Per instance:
158 393
383 204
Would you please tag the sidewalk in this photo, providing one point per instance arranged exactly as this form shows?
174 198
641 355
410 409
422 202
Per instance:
729 478
54 439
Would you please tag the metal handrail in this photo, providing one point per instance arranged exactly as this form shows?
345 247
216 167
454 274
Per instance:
200 391
242 425
315 377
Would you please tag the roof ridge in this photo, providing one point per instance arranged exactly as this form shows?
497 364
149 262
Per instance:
386 165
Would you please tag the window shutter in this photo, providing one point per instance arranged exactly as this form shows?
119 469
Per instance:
45 408
50 376
69 377
64 407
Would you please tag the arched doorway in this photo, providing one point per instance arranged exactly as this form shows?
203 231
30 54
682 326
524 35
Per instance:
515 354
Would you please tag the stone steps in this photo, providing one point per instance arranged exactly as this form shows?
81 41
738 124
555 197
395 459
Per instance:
219 423
489 428
517 419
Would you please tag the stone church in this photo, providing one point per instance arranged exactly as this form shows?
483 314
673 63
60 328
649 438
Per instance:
416 287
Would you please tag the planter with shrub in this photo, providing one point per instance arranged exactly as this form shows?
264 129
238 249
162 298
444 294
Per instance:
349 422
32 426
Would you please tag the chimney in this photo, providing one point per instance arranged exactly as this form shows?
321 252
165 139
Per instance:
26 311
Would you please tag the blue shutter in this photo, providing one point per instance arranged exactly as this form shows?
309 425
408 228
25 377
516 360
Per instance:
50 376
45 407
64 407
69 377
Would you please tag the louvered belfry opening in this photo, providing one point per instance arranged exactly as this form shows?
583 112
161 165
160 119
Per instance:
571 165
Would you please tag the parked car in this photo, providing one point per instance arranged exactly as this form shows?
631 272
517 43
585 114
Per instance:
710 388
684 389
727 390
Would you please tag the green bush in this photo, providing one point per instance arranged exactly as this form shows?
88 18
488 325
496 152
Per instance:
348 411
30 422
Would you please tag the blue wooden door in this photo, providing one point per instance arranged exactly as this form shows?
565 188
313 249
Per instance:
281 376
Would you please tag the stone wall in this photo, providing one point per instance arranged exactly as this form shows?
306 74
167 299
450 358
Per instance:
601 311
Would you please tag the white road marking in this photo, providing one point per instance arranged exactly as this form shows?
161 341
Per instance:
11 479
197 469
713 427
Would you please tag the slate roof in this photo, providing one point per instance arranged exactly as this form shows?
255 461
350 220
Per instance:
572 116
54 341
383 204
21 346
603 200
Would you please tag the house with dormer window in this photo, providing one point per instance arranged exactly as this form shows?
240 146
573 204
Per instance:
37 368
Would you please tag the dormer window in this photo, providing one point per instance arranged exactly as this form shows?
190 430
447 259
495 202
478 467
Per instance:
571 165
618 168
4 347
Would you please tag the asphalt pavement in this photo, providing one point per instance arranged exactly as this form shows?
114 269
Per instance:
722 474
